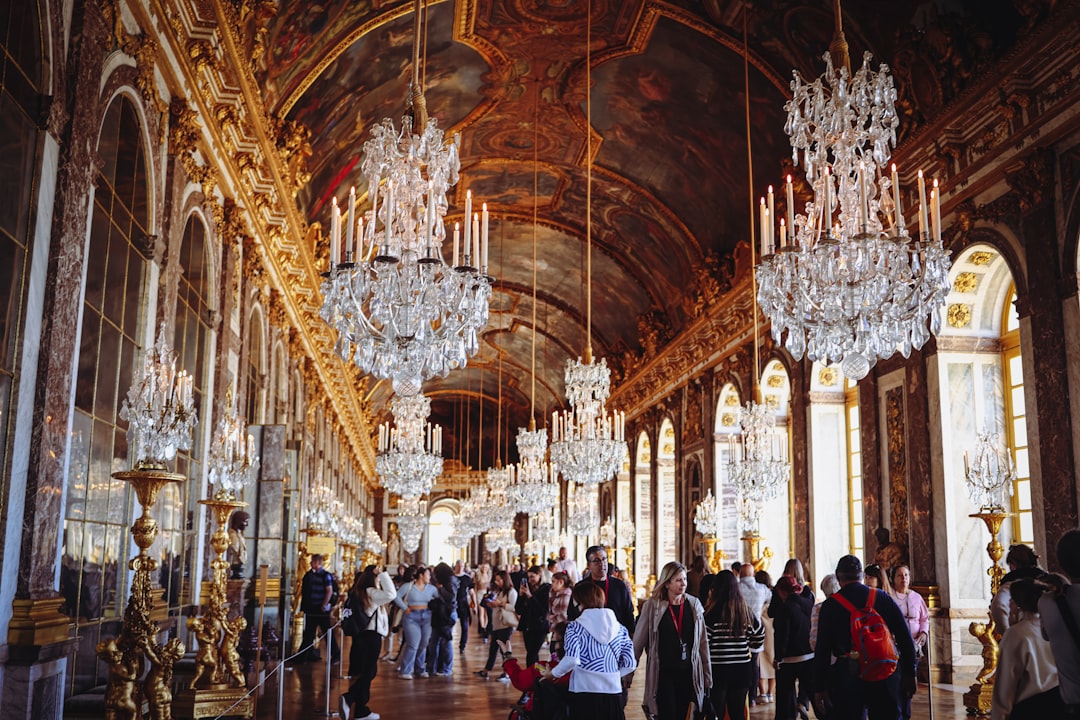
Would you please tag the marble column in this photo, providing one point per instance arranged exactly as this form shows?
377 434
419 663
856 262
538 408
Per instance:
36 654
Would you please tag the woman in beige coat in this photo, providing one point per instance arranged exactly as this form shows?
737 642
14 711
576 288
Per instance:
671 629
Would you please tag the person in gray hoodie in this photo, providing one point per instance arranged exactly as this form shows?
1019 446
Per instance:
599 651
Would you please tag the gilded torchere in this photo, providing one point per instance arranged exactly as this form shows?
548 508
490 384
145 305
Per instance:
161 415
219 686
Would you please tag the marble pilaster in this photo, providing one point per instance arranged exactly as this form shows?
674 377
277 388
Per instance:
800 467
869 432
920 499
46 471
1046 380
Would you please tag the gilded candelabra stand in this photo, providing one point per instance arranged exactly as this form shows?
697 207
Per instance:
978 698
219 683
713 557
759 558
124 654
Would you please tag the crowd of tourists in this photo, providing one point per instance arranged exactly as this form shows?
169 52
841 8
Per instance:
715 644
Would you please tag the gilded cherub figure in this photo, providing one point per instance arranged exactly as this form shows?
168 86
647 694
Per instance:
206 632
120 701
230 655
157 685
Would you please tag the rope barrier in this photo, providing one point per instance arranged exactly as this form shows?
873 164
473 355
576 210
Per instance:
279 666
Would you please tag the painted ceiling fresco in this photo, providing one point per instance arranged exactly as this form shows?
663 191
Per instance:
670 183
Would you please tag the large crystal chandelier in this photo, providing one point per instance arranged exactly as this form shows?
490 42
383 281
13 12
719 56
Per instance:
412 519
990 477
232 462
587 443
409 454
401 312
845 287
159 407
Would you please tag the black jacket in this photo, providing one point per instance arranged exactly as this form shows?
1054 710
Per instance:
834 631
313 591
618 601
533 611
791 626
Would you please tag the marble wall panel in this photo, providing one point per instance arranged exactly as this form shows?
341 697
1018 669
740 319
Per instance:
921 528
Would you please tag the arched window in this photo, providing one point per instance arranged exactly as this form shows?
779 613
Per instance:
643 510
666 522
440 525
96 539
1016 420
21 61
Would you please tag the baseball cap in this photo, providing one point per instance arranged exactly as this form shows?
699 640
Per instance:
849 568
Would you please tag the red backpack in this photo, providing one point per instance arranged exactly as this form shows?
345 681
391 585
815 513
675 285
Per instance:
871 640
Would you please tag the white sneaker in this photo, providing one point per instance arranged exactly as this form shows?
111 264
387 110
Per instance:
425 674
344 709
370 716
406 676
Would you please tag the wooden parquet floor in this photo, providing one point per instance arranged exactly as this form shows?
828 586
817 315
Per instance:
464 696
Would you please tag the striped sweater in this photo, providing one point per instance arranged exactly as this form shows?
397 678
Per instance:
726 649
599 652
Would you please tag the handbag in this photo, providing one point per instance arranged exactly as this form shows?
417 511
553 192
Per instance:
510 618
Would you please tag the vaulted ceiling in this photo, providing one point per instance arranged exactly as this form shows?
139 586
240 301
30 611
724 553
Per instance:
670 182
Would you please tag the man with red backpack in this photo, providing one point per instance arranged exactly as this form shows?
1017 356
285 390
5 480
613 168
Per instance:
865 657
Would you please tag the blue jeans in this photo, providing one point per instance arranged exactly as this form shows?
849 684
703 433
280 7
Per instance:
416 629
440 653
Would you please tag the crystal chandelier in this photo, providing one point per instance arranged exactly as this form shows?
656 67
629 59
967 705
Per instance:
627 533
401 312
583 516
758 465
990 477
498 510
159 407
373 543
501 538
535 487
707 516
412 519
232 462
409 454
607 534
324 511
588 444
846 288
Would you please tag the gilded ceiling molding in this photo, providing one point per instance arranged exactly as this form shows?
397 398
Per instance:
260 169
709 340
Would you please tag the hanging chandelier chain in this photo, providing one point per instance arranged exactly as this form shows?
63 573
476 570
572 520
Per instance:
755 381
588 184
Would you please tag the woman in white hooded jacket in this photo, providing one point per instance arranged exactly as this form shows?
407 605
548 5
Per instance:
599 651
368 598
